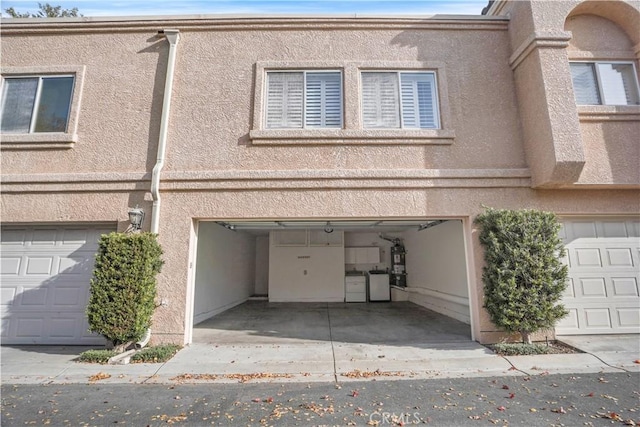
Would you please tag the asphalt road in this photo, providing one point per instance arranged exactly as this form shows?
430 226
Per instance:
542 400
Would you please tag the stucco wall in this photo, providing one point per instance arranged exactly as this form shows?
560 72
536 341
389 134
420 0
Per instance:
225 270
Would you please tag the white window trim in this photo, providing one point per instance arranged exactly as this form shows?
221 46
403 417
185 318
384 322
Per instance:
352 132
595 63
38 140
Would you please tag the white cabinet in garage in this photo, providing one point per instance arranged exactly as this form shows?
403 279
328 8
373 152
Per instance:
363 255
604 276
45 283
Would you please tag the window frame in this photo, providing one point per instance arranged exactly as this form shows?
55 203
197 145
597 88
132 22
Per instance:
352 132
601 94
401 121
39 140
38 97
304 73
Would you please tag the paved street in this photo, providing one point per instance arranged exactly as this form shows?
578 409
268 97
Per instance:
595 399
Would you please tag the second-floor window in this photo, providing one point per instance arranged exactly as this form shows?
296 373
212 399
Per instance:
605 83
36 104
392 100
303 99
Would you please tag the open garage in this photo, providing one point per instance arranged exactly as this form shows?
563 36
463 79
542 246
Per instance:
408 273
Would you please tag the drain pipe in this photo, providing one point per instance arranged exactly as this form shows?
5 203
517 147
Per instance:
173 36
144 340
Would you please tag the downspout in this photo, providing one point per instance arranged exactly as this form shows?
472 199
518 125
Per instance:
173 36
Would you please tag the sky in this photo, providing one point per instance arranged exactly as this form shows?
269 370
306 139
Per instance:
187 7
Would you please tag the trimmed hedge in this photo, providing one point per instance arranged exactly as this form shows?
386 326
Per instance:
524 276
123 287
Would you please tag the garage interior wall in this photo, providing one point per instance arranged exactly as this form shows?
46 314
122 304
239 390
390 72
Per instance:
225 274
262 265
437 271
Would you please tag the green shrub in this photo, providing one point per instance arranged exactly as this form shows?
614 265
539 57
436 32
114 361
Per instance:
520 349
157 354
96 356
123 287
524 276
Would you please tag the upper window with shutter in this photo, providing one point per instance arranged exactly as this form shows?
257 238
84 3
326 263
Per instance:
605 83
392 100
303 99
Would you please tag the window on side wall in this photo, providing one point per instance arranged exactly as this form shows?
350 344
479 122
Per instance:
399 100
36 104
605 83
303 99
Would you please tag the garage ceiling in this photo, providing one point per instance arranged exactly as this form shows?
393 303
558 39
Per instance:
259 227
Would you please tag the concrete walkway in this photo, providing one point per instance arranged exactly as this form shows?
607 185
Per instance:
323 342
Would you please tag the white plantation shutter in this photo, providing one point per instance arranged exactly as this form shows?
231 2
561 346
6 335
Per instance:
323 100
418 101
284 100
618 84
380 100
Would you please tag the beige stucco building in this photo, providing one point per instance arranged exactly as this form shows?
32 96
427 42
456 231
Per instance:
247 139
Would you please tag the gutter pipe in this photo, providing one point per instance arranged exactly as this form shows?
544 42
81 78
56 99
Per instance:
173 36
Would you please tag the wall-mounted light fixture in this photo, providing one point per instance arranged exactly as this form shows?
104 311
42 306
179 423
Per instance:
136 218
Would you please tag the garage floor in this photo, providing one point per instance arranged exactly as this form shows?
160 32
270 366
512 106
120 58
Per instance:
397 323
336 340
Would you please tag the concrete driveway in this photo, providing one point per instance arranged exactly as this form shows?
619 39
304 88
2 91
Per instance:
322 342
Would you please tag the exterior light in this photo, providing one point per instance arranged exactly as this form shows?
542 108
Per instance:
136 218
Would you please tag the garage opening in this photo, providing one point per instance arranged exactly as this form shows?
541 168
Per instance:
403 275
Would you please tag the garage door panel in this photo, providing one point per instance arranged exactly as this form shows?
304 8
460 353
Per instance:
587 257
10 265
67 296
603 292
593 287
13 237
76 265
597 318
29 327
619 257
38 265
46 272
43 237
614 229
569 291
629 317
570 321
33 298
625 287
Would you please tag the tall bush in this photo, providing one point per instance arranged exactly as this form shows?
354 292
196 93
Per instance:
524 276
123 287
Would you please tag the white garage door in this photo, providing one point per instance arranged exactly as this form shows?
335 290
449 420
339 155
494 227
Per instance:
604 270
45 283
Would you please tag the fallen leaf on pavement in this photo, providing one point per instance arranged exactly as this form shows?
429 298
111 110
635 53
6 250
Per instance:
99 376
